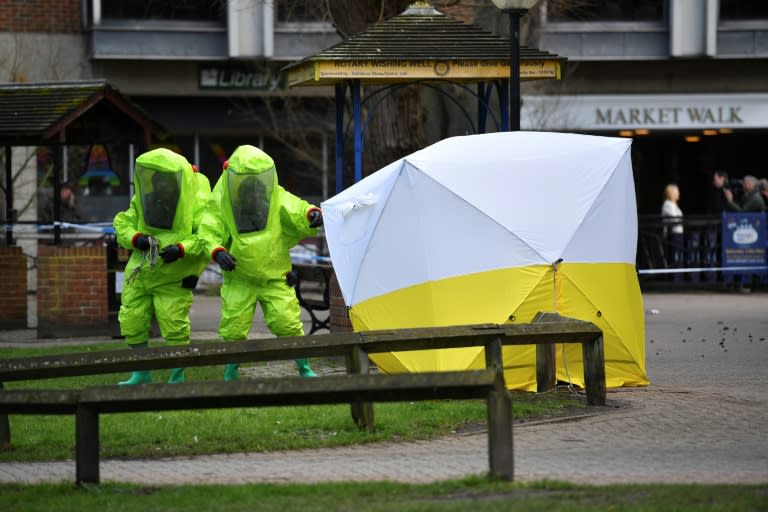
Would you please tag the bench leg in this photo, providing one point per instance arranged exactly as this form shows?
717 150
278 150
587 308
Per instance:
493 354
86 446
500 448
546 377
594 371
5 430
362 412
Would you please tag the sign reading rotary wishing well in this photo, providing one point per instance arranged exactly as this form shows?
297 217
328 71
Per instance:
744 239
384 70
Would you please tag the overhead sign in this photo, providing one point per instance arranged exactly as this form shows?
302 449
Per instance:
393 70
229 76
651 111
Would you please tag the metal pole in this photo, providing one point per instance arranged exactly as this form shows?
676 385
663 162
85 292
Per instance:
9 216
58 154
357 119
514 68
341 91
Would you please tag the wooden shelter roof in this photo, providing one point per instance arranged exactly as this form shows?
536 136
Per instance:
80 112
420 44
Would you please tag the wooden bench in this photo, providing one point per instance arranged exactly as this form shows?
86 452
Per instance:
313 291
89 403
355 347
547 331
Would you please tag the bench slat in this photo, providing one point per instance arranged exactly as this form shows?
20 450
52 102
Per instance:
39 401
292 390
326 345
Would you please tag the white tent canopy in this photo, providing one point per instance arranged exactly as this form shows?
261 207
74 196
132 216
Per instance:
521 198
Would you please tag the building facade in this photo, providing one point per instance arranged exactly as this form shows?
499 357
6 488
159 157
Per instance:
686 79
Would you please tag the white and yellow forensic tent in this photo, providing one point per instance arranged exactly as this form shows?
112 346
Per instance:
494 228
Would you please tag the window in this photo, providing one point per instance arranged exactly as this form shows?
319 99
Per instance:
171 10
302 11
743 10
605 10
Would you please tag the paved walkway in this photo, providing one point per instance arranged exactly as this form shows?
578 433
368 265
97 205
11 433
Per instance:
704 419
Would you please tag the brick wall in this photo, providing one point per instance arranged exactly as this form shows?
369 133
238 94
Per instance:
71 291
339 315
13 292
49 16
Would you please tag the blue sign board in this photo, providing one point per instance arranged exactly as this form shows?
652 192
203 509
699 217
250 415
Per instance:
744 239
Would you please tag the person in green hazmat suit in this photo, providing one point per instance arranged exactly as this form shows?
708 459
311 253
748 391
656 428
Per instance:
249 228
160 227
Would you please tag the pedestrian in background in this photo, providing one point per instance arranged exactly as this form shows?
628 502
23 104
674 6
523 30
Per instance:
672 217
249 228
752 201
763 187
719 195
69 210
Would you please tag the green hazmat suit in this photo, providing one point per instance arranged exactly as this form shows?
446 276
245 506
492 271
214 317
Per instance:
167 206
257 221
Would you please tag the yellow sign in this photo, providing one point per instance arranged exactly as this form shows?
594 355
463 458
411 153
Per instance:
315 73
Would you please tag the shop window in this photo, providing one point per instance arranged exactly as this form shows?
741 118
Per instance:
305 11
168 10
605 10
743 10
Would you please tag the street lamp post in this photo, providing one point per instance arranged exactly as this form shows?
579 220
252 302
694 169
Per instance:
516 9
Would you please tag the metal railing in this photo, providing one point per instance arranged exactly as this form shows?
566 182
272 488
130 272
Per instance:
688 257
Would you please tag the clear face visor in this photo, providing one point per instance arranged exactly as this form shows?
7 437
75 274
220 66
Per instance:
160 193
250 194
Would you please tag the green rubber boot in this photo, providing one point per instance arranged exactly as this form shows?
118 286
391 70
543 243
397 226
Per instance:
230 372
144 377
177 376
304 369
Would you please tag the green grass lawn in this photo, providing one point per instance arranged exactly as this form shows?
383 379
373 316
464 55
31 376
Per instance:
475 494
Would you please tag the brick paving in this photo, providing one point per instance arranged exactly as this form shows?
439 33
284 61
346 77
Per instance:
703 419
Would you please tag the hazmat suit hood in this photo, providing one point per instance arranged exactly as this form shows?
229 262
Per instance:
251 181
166 189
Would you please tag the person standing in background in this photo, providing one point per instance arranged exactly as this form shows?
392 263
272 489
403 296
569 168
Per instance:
752 201
69 210
719 195
672 217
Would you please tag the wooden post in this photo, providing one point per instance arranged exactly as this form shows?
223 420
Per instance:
546 376
362 412
500 450
594 371
5 429
86 446
493 354
500 441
